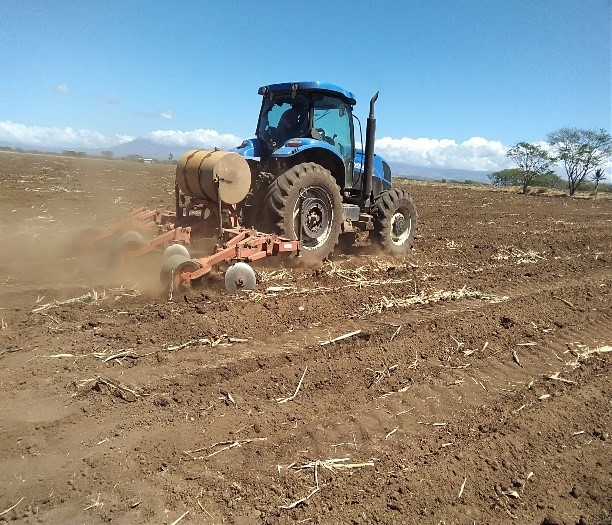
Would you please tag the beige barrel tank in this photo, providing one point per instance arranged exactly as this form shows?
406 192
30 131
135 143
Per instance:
198 169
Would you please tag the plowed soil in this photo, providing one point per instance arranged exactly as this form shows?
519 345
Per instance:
473 384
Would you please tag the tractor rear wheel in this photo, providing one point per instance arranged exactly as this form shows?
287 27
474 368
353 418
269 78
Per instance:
311 189
395 221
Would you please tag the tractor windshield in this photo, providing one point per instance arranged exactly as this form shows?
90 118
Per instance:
332 123
283 118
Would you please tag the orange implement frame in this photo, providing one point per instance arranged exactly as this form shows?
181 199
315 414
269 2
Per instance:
185 227
141 219
245 245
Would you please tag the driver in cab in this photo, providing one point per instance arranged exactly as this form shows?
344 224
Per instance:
293 122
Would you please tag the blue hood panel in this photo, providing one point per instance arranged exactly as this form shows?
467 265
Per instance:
377 169
250 148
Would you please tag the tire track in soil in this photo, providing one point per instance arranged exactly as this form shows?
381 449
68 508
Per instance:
346 354
264 353
336 432
357 427
420 399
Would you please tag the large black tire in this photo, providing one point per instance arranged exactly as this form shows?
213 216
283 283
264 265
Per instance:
395 221
321 210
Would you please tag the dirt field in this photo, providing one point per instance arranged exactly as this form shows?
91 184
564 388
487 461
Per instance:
478 389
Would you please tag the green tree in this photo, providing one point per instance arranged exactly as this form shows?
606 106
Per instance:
108 154
597 177
531 159
507 177
548 180
581 152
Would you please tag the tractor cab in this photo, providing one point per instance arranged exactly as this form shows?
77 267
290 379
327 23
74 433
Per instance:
308 118
309 113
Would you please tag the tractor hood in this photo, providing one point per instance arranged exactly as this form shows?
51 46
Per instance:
250 148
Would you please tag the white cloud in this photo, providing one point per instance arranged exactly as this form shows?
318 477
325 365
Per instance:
62 88
122 138
477 153
206 138
58 137
168 114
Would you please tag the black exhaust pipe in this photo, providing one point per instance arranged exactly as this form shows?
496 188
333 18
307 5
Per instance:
368 163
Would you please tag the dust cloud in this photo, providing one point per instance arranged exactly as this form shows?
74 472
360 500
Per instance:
48 202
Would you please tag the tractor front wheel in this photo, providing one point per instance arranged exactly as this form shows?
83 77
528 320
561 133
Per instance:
307 194
395 221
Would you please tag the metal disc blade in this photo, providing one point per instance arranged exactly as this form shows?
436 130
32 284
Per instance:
169 265
240 276
175 249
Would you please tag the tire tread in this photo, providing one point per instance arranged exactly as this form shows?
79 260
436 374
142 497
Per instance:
385 206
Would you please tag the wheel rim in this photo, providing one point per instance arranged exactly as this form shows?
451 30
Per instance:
317 217
401 227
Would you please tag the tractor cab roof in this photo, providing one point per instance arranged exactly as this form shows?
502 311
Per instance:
320 87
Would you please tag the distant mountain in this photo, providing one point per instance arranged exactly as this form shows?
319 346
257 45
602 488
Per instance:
399 169
149 149
143 147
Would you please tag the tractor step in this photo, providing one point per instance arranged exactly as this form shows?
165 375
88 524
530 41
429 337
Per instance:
350 212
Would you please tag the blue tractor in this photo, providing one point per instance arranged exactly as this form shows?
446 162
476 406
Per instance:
311 182
300 187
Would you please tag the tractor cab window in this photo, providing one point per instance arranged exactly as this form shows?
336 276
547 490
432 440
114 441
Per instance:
332 124
281 119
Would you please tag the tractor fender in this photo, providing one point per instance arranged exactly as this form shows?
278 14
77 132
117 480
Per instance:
295 146
296 151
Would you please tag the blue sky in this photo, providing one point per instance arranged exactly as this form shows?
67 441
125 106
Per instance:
459 80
